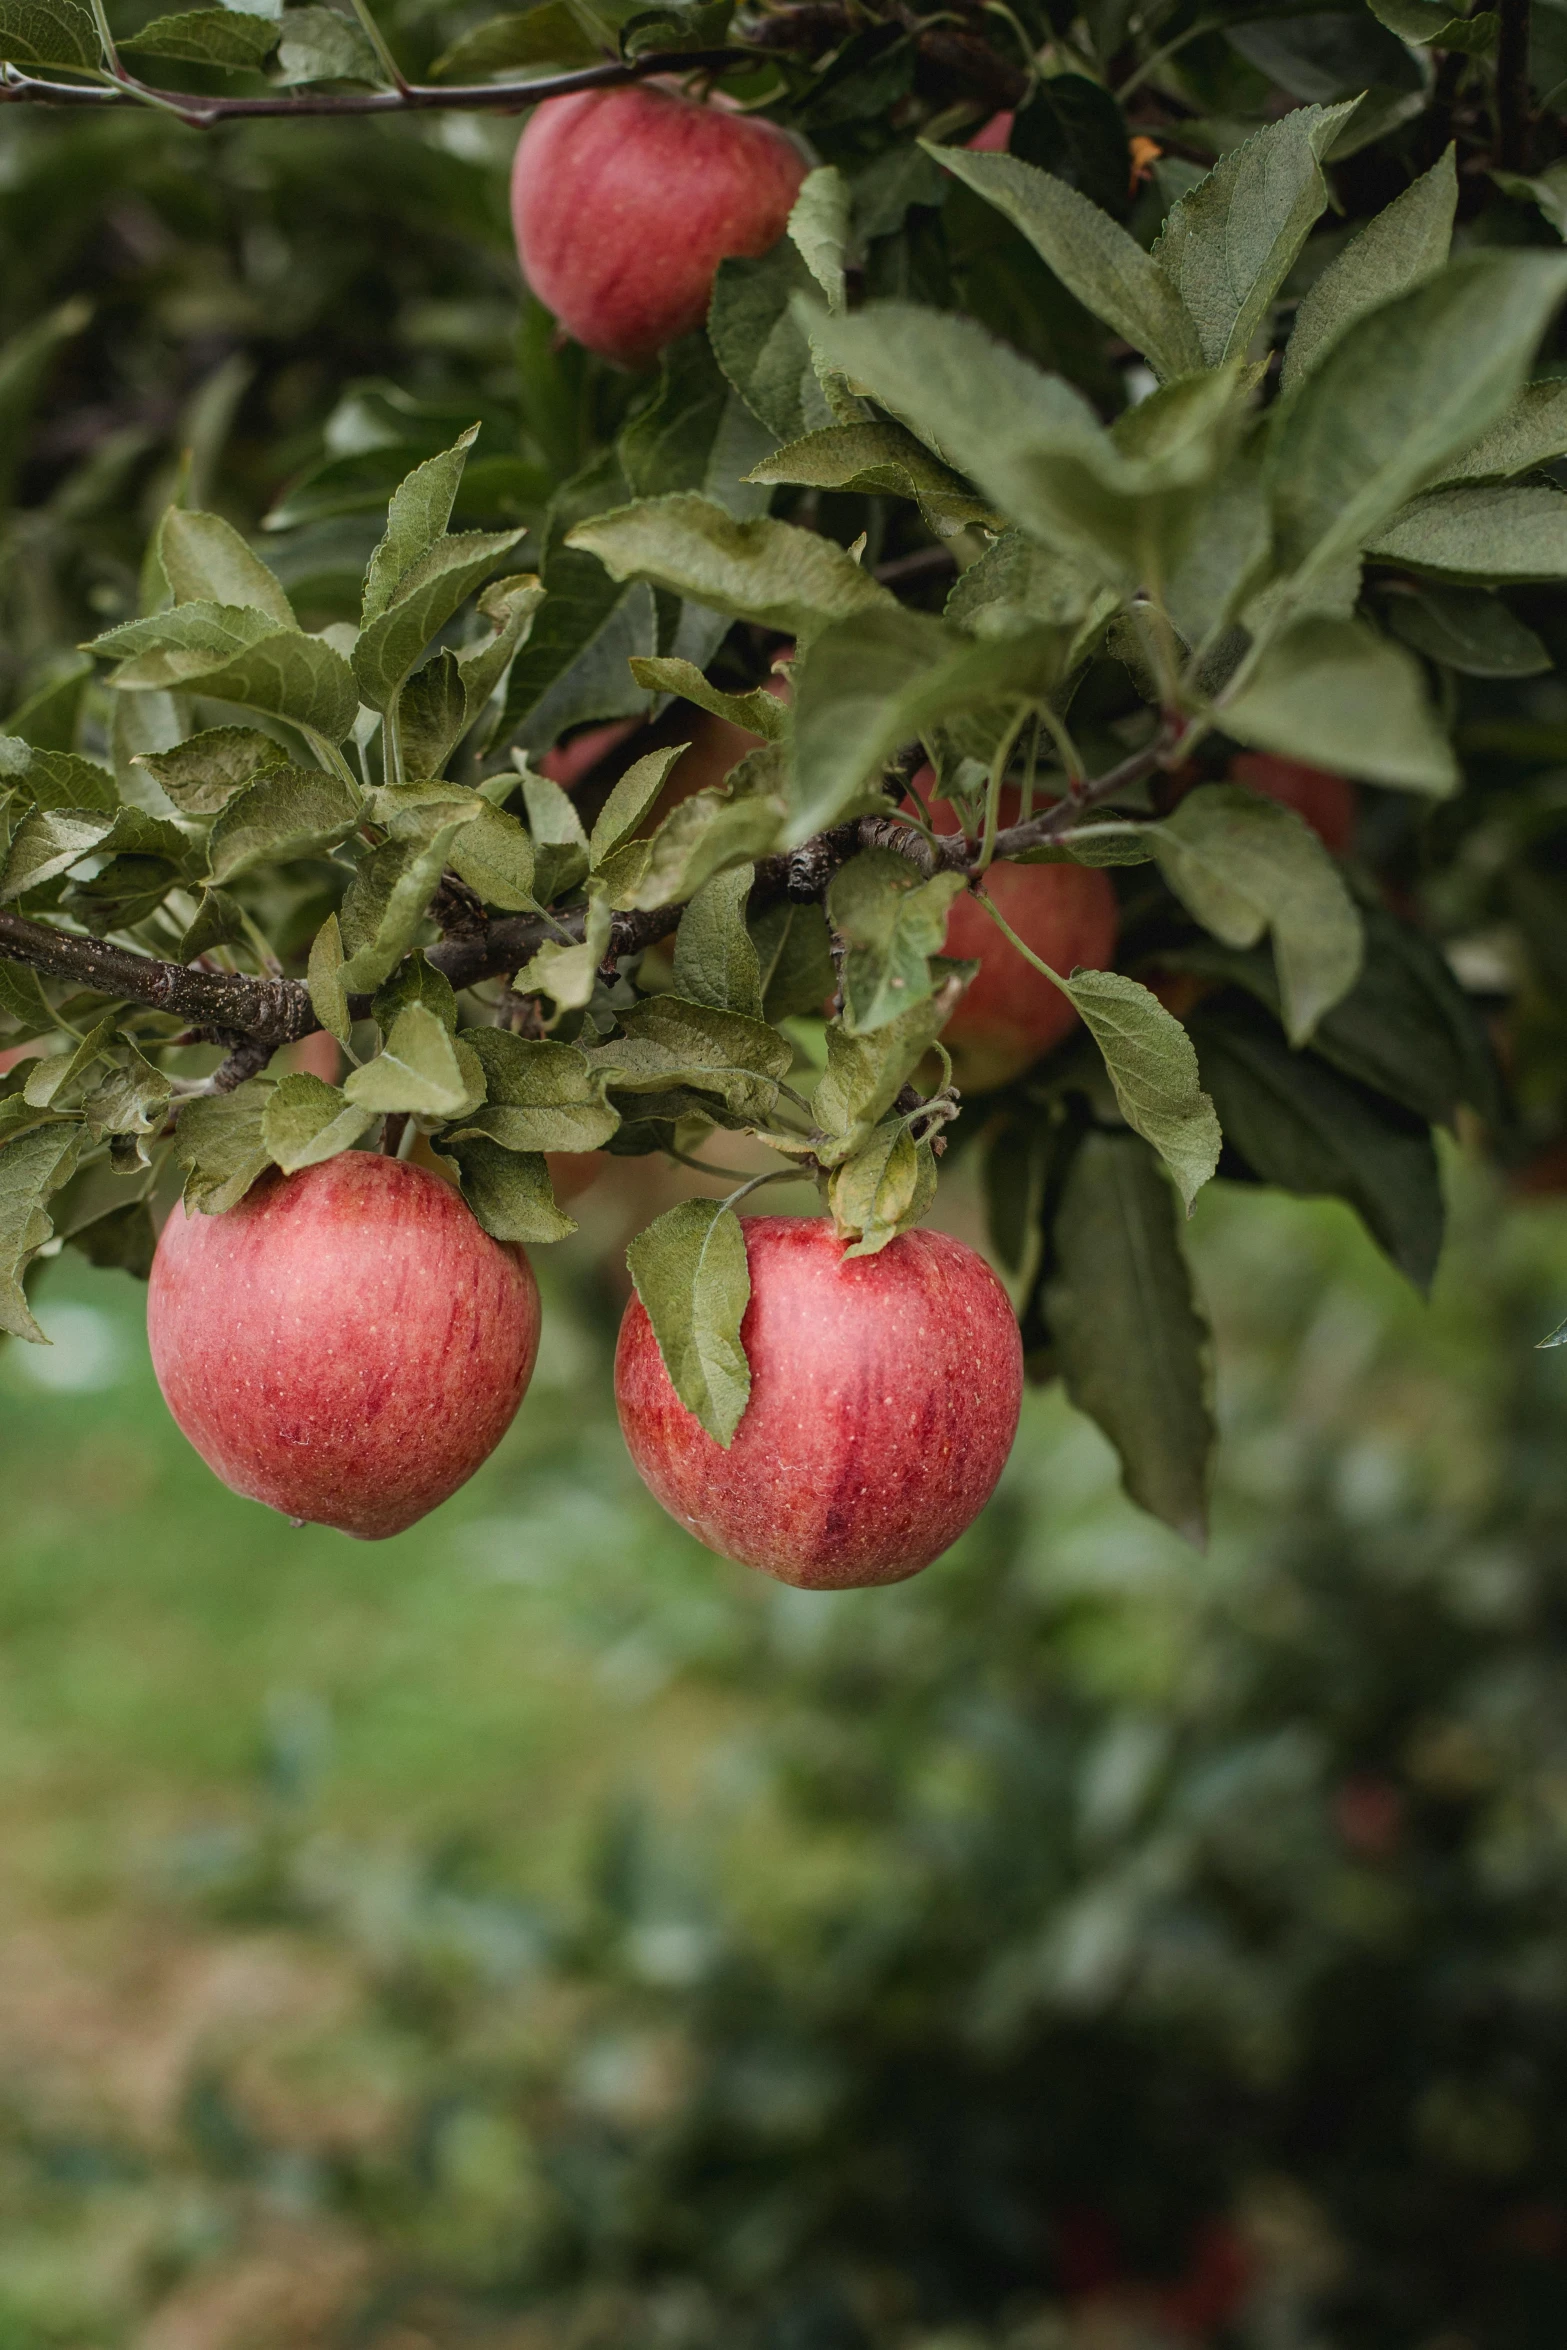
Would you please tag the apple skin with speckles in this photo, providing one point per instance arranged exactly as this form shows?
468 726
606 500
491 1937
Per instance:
624 202
346 1344
885 1393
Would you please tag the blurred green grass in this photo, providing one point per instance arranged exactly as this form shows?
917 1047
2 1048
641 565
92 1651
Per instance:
535 1922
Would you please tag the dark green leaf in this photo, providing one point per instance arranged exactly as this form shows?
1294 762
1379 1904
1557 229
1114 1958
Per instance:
1154 1072
539 1096
892 923
1336 695
32 1167
306 1121
761 570
883 1190
224 37
715 960
1469 630
794 956
49 32
204 558
508 1190
287 812
1133 1348
1398 249
1499 533
202 775
220 1144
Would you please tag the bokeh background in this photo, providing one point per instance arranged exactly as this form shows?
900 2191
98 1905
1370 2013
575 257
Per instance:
533 1931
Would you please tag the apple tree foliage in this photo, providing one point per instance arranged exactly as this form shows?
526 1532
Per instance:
1226 411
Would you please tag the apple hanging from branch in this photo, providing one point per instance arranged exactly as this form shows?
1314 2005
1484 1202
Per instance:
625 201
346 1344
885 1393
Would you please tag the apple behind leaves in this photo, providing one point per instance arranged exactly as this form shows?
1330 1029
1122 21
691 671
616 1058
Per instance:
1327 802
1010 1013
346 1345
885 1393
624 203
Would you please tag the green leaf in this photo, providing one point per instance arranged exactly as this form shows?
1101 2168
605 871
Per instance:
1405 390
669 1043
715 960
51 713
794 956
509 1191
1532 432
697 839
387 901
1334 694
427 595
569 974
634 794
874 681
758 713
1243 864
1302 1125
220 1144
32 1166
49 32
892 922
1468 629
865 1074
1092 255
539 1095
1428 21
59 1081
217 921
287 812
1133 1348
1121 502
551 34
1153 1070
422 1069
23 1002
1400 248
235 655
819 226
694 434
1501 532
763 571
225 37
306 1121
691 1274
63 779
204 558
761 345
574 665
489 850
560 846
324 978
319 45
415 981
509 605
416 522
877 458
1228 245
202 775
1016 581
128 1096
1547 190
47 844
883 1189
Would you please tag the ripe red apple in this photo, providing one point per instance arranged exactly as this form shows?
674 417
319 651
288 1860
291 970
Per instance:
1326 801
884 1399
992 137
346 1345
1011 1013
624 203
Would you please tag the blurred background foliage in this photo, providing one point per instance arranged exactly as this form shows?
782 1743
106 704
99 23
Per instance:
533 1931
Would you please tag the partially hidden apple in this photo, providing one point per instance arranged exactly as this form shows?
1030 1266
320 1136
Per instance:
885 1393
1010 1013
625 201
1327 802
347 1344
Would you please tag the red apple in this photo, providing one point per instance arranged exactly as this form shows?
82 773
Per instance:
315 1055
884 1399
569 762
1011 1013
1326 801
992 137
625 201
346 1345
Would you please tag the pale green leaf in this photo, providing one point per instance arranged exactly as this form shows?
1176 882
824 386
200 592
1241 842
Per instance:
865 1074
1406 389
819 226
636 790
320 45
1243 864
287 812
691 1274
49 32
306 1121
1153 1069
202 775
878 458
220 1144
224 37
1399 248
324 978
387 901
668 1042
569 974
32 1166
883 1190
1334 694
715 960
1229 243
763 571
422 1070
539 1095
204 558
427 595
892 923
758 713
416 521
1500 531
1532 432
